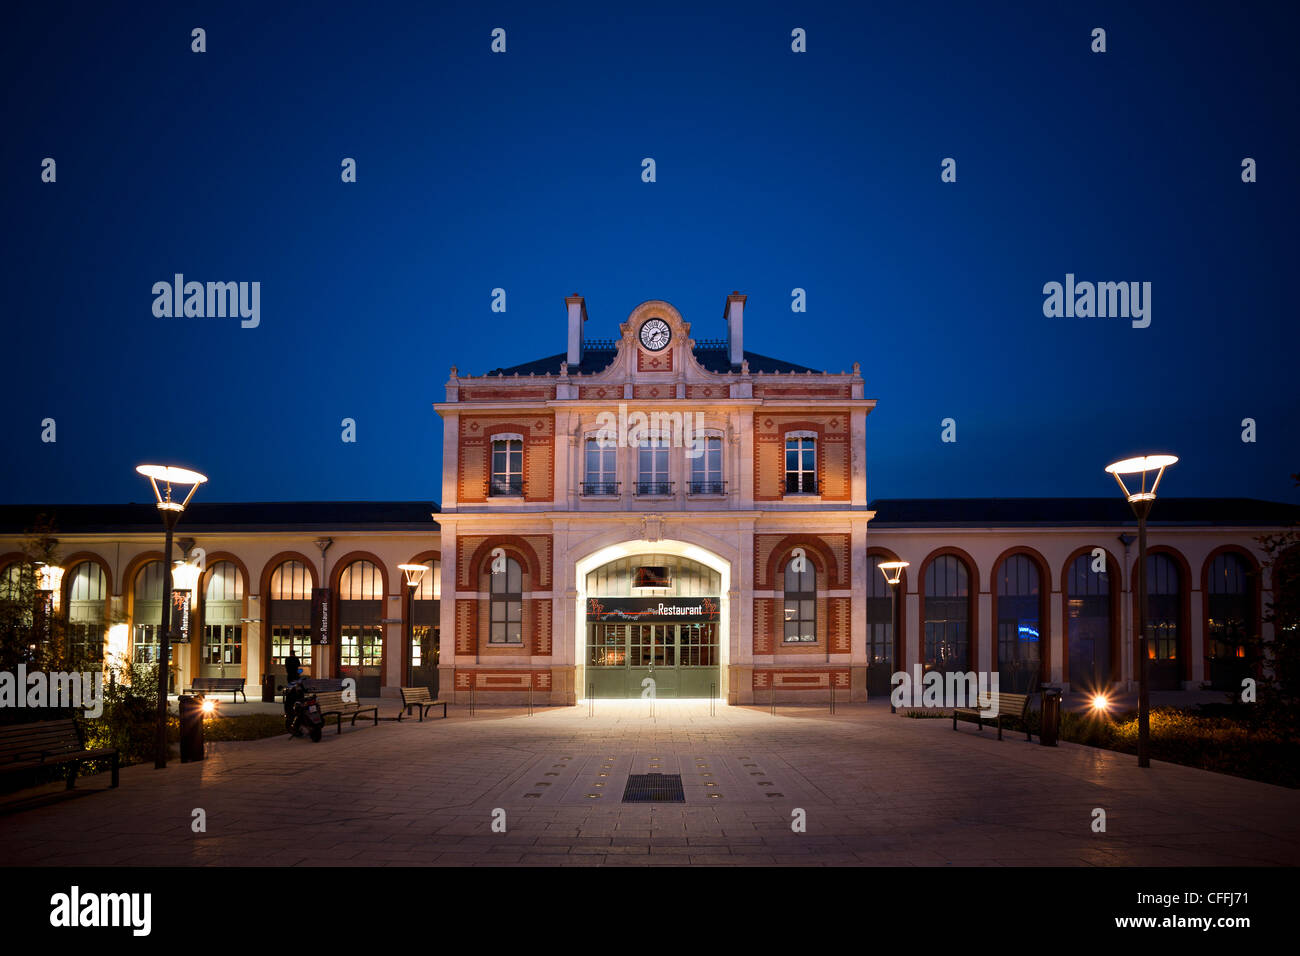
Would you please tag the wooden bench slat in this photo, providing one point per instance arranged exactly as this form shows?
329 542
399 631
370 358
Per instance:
49 743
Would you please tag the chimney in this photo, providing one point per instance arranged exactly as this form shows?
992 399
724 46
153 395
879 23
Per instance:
577 316
735 314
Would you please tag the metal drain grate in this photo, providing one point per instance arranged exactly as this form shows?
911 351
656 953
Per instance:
654 788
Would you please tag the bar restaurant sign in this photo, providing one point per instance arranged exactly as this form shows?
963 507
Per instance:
180 618
653 609
320 615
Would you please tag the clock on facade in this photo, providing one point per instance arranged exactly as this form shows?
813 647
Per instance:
655 334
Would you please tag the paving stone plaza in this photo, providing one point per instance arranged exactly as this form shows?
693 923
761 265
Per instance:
875 789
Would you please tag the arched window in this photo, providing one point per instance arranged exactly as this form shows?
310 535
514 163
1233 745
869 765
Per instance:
947 614
506 612
222 653
1089 624
800 602
16 593
1164 622
1230 620
146 614
882 618
1019 653
425 602
87 596
289 614
361 631
706 466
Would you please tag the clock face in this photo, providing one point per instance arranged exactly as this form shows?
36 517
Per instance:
655 334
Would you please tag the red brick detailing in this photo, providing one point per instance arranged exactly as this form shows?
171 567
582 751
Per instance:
708 391
611 392
654 361
466 625
666 390
838 615
533 551
481 393
829 554
764 625
541 626
510 680
475 448
833 460
781 679
779 390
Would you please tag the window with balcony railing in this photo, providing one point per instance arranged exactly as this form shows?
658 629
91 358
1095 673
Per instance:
652 468
708 487
706 467
600 460
654 487
507 466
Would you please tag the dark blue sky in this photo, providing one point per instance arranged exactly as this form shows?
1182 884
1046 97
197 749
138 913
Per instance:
775 171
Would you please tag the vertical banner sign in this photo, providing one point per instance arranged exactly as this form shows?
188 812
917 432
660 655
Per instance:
181 600
43 618
320 615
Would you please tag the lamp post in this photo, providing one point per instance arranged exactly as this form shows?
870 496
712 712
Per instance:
1141 501
171 513
893 572
414 574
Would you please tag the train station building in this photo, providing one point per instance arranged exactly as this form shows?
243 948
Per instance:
658 509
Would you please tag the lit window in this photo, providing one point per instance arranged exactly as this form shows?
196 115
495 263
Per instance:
706 470
801 464
800 604
507 465
506 621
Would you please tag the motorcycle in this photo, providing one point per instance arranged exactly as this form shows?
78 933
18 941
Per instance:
301 711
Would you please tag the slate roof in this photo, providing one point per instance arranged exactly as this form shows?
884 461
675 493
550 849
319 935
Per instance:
1065 512
209 517
713 358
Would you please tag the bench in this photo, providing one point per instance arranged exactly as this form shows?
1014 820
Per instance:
332 704
48 743
421 698
1011 707
219 685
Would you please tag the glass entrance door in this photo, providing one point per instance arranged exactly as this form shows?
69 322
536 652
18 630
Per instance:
681 659
223 649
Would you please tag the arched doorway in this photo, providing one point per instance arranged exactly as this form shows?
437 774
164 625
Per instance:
361 629
222 654
652 620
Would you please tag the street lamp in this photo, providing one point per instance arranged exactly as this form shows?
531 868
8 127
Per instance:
1141 501
893 572
171 513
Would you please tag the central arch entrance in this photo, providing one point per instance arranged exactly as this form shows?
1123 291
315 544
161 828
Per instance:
652 619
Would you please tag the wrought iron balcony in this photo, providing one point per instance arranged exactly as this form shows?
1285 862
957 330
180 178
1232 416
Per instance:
654 487
710 487
802 483
595 488
506 488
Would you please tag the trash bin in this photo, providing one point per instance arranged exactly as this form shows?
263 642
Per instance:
191 728
268 688
1050 731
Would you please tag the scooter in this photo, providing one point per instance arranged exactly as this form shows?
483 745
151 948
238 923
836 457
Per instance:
301 711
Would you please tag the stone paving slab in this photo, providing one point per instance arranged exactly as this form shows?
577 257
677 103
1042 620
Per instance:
874 788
